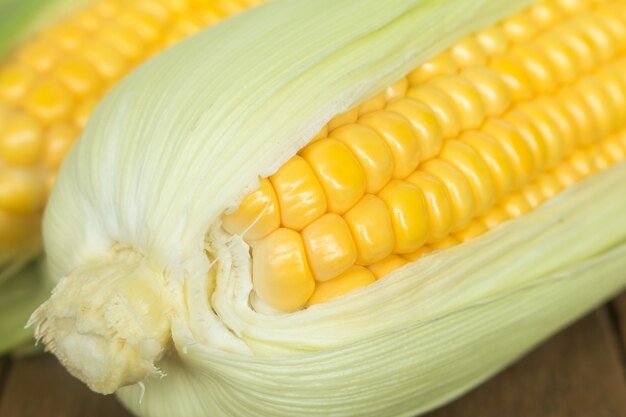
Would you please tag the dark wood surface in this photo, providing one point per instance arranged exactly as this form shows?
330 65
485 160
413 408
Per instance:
579 372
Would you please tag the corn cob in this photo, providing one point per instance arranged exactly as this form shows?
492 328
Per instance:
51 83
486 131
466 148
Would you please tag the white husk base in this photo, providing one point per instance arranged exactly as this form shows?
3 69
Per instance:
186 136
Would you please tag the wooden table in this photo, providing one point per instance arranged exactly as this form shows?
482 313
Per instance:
580 372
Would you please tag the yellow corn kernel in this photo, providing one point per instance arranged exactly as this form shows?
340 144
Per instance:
399 136
514 75
68 37
424 122
572 6
555 111
441 64
520 27
458 189
549 186
566 175
533 195
354 278
387 265
49 101
147 26
615 87
560 57
371 228
581 115
515 205
397 89
87 20
495 159
468 52
614 25
408 215
469 163
614 150
21 191
437 203
300 195
329 246
547 130
258 214
599 102
528 131
280 270
39 55
585 55
15 81
79 76
442 106
599 36
370 150
21 140
515 147
541 74
493 40
342 178
495 96
109 63
465 97
582 163
546 13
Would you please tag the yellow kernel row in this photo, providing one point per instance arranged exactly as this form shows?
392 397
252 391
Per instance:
441 156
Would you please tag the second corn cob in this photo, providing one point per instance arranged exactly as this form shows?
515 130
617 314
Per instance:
50 84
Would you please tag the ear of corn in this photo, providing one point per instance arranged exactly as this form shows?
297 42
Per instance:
149 282
50 83
61 57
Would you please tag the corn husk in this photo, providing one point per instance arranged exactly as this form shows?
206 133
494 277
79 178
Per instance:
152 291
18 297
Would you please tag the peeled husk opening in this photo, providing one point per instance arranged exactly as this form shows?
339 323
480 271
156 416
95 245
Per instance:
417 338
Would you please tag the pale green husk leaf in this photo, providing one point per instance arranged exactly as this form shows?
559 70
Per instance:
19 296
186 136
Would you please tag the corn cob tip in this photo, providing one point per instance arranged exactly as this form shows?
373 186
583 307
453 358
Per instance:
113 327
